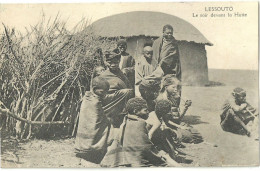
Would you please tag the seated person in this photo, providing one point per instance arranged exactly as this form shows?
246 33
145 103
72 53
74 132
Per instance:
93 126
117 80
166 137
237 113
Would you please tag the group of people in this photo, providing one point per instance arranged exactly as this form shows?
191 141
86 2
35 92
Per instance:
132 116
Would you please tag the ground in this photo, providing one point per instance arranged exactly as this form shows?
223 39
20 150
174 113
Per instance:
218 149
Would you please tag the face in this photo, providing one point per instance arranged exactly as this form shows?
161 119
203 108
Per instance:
100 92
241 99
167 34
143 113
114 64
100 70
172 89
148 54
122 48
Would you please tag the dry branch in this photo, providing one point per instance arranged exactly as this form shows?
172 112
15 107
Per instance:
7 112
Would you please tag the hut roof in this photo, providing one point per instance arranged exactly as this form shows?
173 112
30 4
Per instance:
148 24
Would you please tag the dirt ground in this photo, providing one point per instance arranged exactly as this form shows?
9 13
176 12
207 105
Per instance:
218 149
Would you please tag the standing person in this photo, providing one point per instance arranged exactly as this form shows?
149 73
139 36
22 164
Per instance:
127 62
93 127
166 53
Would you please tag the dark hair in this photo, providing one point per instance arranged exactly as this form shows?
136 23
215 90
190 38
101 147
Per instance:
162 107
135 104
147 88
238 91
110 55
167 26
121 42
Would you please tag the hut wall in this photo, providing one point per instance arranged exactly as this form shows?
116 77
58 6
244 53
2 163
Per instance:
135 45
194 63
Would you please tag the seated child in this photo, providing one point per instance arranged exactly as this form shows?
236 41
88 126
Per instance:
171 90
237 113
166 137
133 147
93 126
96 72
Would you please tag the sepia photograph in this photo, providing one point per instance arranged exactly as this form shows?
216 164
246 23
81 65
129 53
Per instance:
129 84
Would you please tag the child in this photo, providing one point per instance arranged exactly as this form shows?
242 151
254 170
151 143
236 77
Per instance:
237 113
93 127
133 147
144 67
97 72
171 90
166 137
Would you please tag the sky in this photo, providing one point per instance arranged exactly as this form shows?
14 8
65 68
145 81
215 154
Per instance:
235 39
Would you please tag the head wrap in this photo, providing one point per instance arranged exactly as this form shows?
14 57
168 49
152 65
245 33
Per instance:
111 55
238 92
121 42
100 83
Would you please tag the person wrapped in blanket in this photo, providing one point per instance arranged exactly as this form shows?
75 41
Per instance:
117 80
98 114
171 91
93 127
238 115
119 92
132 147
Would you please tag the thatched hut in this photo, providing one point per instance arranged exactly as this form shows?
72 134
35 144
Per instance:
141 26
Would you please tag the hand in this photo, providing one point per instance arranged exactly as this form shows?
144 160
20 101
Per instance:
163 127
188 103
150 135
184 127
243 106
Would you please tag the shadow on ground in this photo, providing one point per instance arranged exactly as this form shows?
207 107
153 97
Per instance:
193 120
